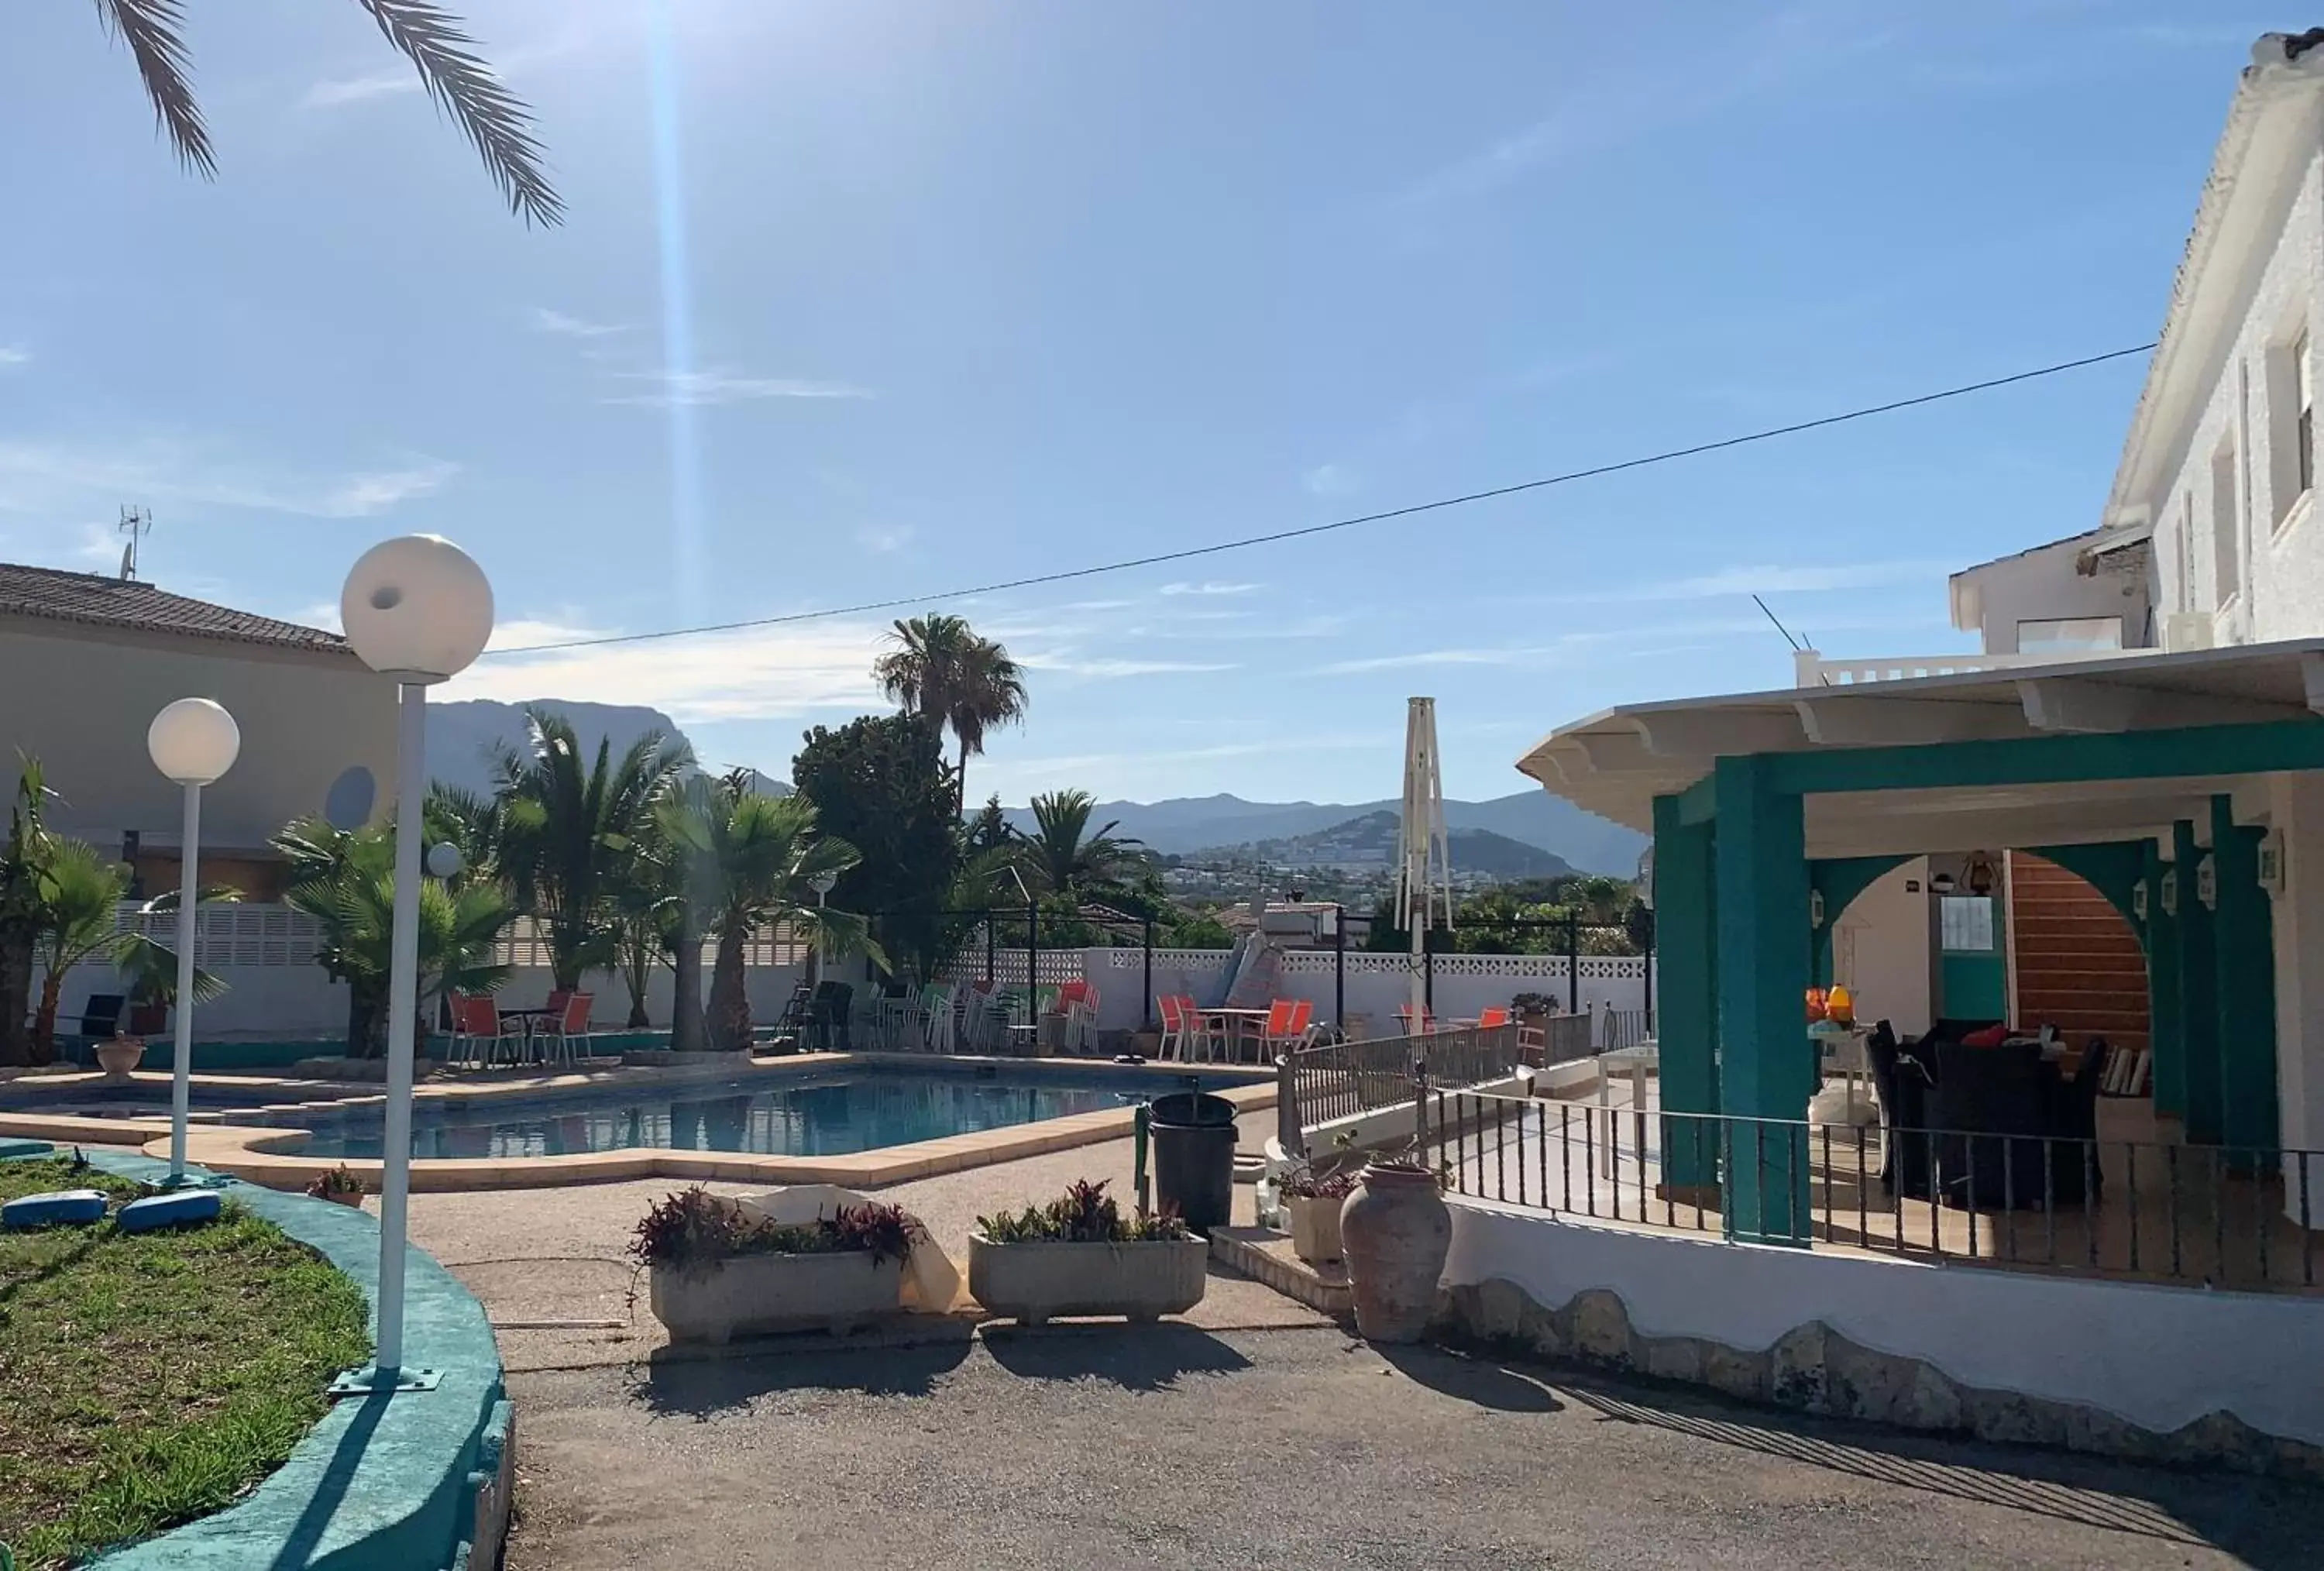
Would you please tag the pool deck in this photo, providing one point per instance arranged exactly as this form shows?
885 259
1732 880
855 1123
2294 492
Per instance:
262 1154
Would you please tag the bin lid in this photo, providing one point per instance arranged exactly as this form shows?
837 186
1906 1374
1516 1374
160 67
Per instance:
1191 1109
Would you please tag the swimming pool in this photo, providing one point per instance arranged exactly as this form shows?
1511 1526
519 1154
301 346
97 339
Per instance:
835 1114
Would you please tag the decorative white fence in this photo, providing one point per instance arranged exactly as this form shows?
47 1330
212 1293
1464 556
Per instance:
526 945
1053 968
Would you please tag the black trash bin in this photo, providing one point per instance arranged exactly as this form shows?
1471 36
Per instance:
1194 1136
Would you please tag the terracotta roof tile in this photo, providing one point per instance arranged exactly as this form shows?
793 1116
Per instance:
98 601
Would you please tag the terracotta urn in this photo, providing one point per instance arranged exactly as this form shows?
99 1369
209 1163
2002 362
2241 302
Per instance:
117 1057
1395 1231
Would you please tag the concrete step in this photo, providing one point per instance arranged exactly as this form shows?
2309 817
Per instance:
2075 924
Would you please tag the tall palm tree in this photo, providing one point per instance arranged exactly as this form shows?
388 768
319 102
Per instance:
462 86
942 670
1063 858
745 863
566 828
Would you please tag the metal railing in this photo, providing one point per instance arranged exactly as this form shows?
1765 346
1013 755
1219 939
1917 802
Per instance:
1321 1085
2240 1217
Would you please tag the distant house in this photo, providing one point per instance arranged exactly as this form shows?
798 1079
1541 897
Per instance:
89 660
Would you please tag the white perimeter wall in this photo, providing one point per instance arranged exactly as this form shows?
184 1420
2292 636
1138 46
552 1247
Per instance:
2160 1357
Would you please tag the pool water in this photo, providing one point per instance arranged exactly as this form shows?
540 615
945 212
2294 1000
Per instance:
830 1117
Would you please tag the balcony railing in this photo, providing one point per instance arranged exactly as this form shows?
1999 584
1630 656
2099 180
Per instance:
2224 1217
1810 669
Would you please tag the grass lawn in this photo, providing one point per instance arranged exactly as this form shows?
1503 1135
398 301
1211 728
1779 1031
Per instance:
146 1379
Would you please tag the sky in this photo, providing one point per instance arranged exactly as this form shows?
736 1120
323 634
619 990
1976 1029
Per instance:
868 299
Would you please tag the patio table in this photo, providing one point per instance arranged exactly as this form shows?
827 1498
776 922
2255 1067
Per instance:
1638 1057
1227 1026
526 1020
1845 1046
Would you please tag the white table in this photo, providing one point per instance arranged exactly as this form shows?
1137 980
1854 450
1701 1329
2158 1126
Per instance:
1845 1046
1638 1057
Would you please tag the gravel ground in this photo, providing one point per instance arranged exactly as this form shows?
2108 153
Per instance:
1085 1449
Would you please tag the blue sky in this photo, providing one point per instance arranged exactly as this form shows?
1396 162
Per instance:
871 298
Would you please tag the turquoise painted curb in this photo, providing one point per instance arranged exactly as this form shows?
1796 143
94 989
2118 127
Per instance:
387 1484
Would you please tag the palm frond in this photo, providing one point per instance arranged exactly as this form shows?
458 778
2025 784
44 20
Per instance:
496 120
150 29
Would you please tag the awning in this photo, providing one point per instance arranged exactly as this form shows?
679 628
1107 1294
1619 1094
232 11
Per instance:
1616 764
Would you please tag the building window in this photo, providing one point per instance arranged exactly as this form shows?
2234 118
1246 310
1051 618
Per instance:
2187 551
2068 635
2303 438
2227 557
1965 923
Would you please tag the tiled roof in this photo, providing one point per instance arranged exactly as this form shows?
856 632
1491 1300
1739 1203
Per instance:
98 601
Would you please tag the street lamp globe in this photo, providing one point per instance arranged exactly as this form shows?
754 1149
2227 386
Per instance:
443 860
823 884
193 740
416 607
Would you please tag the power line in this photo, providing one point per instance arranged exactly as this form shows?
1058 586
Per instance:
1276 536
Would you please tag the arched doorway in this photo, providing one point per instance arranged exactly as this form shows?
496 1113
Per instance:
2076 963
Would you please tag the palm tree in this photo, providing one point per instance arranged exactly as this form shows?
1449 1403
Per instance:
941 670
346 879
747 862
640 905
462 86
81 897
1063 858
23 910
564 832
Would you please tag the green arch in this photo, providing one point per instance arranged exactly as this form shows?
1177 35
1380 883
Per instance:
1839 879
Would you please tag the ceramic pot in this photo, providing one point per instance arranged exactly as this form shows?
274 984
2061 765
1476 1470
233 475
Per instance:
1315 1227
1395 1231
118 1057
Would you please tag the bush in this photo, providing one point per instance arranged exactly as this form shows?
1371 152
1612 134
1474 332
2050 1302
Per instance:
1083 1213
695 1230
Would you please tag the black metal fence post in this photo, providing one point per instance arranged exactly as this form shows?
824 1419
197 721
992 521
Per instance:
1340 969
1427 972
1146 1016
1573 961
991 939
1032 956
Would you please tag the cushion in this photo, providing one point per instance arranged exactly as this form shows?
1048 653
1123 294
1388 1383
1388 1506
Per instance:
1991 1037
171 1210
56 1208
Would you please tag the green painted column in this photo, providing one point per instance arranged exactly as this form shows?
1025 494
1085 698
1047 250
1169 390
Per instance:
2199 1014
2167 1030
1760 859
1686 1012
2243 941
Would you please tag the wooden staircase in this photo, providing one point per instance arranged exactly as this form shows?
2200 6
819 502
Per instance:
2079 966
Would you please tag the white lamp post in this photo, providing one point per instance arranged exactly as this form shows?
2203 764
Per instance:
823 884
192 742
418 609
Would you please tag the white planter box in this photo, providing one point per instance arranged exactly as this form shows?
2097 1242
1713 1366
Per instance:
1032 1283
1315 1227
754 1295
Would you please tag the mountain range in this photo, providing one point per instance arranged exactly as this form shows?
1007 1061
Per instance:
462 738
1533 818
1369 841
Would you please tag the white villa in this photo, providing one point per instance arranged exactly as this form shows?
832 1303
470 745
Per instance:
2110 821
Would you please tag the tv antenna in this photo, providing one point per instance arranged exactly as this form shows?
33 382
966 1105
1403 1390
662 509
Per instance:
1796 645
137 523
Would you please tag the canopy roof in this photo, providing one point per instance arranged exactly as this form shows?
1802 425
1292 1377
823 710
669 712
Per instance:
1615 763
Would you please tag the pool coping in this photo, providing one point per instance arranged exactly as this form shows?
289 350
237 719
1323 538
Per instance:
269 1155
404 1483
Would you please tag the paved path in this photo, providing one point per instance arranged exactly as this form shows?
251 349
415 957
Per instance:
1091 1448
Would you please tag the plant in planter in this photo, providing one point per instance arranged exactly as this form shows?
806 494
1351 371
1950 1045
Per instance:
1079 1255
715 1270
1395 1231
1315 1197
339 1186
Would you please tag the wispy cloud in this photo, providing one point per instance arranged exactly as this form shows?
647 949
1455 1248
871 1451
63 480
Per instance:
545 320
14 355
1107 667
887 541
37 477
767 673
1614 105
333 91
1212 589
717 387
1330 480
1416 659
1741 581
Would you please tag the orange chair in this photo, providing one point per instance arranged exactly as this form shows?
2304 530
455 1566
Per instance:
1492 1017
569 1029
1289 1024
477 1031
